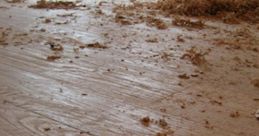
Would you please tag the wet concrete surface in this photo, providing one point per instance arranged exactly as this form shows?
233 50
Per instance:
93 91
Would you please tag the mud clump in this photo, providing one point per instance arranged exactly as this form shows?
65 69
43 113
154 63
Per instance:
53 58
156 22
197 58
122 20
183 76
163 123
43 4
255 82
55 46
257 115
188 23
145 121
234 114
96 45
14 1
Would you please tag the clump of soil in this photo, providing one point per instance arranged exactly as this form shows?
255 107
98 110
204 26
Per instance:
145 121
255 82
166 130
156 22
197 58
165 133
43 4
208 125
163 123
239 39
240 8
53 57
257 114
96 45
55 46
138 13
14 1
188 23
152 40
184 76
234 114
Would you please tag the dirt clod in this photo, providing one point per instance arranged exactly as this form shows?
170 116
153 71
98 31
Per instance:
53 58
235 114
184 76
96 45
197 58
257 114
255 82
145 121
43 4
188 23
163 123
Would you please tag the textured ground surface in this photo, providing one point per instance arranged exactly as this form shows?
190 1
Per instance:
80 90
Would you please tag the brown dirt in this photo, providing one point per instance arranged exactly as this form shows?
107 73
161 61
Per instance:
234 114
197 58
14 1
239 8
55 46
184 76
96 45
145 121
156 22
255 82
163 123
229 11
43 4
188 23
53 58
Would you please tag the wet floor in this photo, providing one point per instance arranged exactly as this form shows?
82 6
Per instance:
55 80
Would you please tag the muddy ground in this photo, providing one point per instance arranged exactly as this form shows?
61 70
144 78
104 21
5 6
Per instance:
78 71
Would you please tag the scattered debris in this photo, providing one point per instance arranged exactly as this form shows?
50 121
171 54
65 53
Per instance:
165 56
188 23
96 45
255 82
163 123
14 1
216 102
43 4
84 94
53 58
183 76
167 132
234 114
257 114
47 129
208 125
163 110
155 22
47 20
152 40
145 121
55 46
197 58
180 39
122 20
